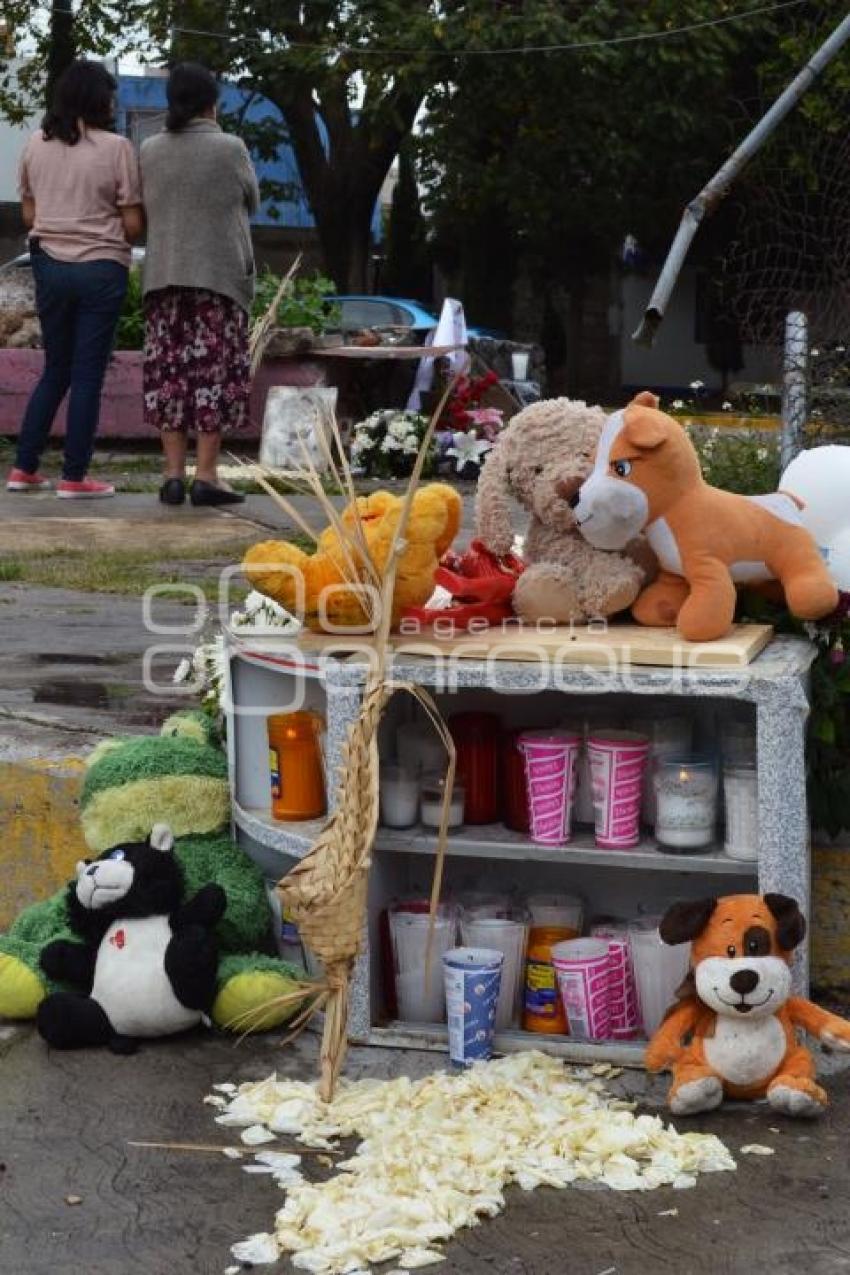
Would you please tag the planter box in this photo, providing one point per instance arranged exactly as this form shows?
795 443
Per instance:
121 405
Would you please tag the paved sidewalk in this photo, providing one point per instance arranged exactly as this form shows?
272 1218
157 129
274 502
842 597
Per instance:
66 1120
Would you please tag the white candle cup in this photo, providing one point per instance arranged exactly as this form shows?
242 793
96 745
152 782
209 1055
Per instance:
399 790
740 790
669 735
558 910
420 750
659 970
508 935
431 795
519 365
420 1000
686 800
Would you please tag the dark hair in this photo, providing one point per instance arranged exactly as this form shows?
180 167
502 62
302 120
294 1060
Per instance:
191 91
84 91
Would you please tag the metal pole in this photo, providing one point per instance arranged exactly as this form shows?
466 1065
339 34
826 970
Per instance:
794 387
717 189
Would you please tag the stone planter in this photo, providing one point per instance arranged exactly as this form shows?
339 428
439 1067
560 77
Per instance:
121 406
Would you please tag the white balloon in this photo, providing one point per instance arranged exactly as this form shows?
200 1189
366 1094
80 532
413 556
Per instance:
839 560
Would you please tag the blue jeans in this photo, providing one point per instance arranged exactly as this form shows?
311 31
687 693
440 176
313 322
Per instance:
79 304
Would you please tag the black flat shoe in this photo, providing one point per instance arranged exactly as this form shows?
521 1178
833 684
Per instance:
201 493
173 491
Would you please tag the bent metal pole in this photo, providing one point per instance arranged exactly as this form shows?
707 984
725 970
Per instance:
716 189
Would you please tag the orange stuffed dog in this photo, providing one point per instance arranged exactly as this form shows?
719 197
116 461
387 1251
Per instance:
734 1033
647 478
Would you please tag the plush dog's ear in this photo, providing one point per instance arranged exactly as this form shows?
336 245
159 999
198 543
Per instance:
641 430
492 503
646 398
790 922
685 921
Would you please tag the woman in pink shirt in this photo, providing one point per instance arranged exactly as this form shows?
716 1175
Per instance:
82 200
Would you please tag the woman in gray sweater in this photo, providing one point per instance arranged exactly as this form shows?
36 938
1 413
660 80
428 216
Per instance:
199 190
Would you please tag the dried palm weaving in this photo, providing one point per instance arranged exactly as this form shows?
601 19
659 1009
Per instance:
326 892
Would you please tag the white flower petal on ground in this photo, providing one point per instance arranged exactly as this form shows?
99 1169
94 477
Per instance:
414 1259
255 1135
258 1250
436 1155
183 671
756 1148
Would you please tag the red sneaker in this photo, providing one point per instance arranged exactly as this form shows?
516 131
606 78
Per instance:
20 480
85 489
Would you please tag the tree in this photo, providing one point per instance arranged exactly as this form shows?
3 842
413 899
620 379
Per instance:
61 49
552 158
407 271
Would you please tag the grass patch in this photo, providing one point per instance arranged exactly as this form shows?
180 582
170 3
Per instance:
127 571
10 570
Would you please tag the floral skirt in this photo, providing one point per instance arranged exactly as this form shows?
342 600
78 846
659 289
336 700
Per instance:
197 365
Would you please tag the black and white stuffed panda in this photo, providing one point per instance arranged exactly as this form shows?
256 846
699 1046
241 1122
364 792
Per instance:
147 962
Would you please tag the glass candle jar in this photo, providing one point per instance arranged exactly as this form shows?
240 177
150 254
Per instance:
686 803
669 735
740 789
432 790
476 737
512 779
296 767
399 791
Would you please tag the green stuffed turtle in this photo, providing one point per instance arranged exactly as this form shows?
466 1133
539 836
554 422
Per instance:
178 777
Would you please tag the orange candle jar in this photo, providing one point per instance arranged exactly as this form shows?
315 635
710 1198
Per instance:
544 1009
295 766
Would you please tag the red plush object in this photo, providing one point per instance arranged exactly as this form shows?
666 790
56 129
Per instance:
481 585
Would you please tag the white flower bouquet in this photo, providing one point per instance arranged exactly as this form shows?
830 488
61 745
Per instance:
386 444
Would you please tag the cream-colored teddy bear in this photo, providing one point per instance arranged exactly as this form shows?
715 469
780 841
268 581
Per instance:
540 461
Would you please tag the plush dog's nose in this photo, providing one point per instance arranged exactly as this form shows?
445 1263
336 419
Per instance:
743 981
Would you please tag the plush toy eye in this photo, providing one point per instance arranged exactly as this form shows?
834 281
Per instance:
731 951
117 854
622 468
753 947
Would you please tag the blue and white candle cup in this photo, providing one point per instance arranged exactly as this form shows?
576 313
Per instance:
473 978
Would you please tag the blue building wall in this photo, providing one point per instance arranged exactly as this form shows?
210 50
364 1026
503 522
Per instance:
147 93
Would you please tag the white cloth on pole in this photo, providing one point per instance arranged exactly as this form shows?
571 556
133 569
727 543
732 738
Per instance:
450 330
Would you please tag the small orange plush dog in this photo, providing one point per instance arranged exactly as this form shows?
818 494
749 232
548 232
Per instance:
647 478
734 1032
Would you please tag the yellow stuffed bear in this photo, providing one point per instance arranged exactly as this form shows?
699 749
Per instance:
273 567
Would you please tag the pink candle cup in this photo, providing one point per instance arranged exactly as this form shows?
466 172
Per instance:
618 760
625 1004
582 969
550 773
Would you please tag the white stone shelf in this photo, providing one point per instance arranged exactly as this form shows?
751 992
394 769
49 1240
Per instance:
290 839
495 841
434 1037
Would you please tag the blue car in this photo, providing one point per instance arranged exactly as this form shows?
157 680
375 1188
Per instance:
359 312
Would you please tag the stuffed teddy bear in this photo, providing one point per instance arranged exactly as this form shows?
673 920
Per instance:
541 460
147 962
178 777
317 587
647 478
734 1032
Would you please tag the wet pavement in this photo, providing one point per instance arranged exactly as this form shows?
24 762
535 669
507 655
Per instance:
66 1121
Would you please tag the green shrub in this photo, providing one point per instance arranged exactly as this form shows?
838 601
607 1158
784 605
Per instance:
305 306
130 334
